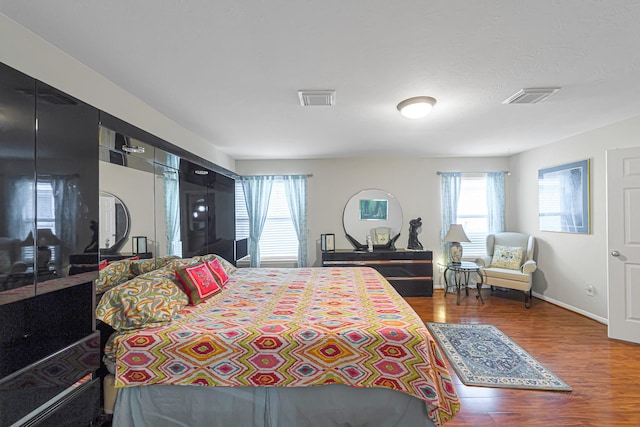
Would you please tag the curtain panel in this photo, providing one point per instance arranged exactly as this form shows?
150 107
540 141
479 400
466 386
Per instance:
450 189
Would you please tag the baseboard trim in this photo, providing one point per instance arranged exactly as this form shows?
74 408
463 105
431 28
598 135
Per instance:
572 308
558 303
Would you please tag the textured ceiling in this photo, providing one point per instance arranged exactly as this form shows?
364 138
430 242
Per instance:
230 70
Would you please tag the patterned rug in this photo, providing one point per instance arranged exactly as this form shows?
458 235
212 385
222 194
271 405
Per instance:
484 356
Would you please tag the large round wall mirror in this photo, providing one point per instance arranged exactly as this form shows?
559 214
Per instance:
115 224
373 213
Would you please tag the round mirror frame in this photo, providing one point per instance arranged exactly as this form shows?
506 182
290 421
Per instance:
370 209
123 225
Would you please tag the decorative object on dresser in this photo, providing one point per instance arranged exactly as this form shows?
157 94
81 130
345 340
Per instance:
139 244
328 242
372 215
409 272
455 235
414 243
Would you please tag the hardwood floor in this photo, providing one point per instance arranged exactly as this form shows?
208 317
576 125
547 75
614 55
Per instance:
604 373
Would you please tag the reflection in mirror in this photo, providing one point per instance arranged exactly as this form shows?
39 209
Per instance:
168 203
372 214
17 163
115 224
129 178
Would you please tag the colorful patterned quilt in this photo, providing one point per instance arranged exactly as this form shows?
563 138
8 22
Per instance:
294 327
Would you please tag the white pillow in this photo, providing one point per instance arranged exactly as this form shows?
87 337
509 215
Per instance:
509 257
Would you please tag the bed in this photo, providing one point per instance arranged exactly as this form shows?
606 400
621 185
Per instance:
284 347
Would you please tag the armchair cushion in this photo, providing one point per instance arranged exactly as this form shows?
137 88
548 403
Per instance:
509 257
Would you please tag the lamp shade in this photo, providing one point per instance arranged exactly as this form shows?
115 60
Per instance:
45 238
456 234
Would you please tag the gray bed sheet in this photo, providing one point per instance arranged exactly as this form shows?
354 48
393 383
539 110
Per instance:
319 406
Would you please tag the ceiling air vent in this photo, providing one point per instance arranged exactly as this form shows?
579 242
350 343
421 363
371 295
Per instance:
531 95
313 98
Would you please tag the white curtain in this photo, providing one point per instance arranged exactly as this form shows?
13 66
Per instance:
257 192
67 204
450 187
296 190
171 182
21 212
495 202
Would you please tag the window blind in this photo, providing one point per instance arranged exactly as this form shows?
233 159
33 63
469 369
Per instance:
279 240
473 213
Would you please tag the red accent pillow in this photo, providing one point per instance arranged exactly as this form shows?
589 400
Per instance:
218 271
199 283
103 264
134 258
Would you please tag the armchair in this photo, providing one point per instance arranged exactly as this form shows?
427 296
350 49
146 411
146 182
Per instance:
509 262
10 263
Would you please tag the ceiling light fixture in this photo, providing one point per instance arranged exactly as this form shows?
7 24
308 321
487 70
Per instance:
132 149
416 107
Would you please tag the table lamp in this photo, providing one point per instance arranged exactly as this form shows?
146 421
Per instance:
455 235
45 239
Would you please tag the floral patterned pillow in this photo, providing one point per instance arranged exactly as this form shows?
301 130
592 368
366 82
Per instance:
141 302
218 272
228 267
199 282
509 257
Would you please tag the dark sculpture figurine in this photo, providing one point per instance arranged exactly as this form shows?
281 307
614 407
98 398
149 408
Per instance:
93 246
414 244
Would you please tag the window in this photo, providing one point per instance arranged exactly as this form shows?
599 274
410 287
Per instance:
46 214
473 213
279 241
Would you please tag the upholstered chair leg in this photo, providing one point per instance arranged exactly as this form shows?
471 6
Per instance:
527 299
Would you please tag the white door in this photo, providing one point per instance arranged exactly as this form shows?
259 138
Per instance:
107 233
623 243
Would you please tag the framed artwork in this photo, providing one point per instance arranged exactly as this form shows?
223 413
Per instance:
564 198
374 209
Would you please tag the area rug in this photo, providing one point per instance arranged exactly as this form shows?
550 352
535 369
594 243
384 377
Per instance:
482 355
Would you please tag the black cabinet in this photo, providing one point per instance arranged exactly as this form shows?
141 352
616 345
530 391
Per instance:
409 272
207 203
67 178
17 181
49 347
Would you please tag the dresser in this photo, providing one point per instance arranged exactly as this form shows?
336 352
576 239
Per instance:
409 272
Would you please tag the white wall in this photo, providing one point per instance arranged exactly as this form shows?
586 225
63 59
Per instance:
413 181
569 262
28 53
137 190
